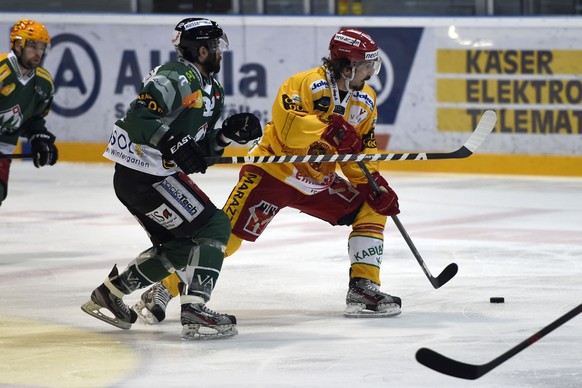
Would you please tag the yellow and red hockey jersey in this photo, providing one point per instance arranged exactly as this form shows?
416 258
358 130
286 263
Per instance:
300 114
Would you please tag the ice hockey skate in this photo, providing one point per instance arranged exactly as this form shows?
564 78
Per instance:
152 304
108 297
199 323
365 300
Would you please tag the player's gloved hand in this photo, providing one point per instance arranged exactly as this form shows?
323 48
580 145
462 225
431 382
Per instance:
44 151
343 136
184 151
240 128
386 203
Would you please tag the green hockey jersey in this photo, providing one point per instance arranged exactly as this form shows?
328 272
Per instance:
174 98
25 100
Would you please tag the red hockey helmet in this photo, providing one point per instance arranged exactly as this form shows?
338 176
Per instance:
356 46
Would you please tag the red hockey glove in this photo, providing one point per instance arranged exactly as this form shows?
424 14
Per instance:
343 136
386 203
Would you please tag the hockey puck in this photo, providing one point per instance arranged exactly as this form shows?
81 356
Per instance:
497 299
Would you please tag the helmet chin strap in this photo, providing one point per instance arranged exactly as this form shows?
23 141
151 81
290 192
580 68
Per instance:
348 80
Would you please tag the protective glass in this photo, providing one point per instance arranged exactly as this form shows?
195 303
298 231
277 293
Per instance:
372 67
218 44
35 45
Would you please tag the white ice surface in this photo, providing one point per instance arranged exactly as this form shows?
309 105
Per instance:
62 229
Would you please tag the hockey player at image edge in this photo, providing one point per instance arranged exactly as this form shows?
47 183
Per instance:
26 95
326 110
171 126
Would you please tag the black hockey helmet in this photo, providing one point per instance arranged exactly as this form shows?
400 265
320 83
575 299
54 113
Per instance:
192 33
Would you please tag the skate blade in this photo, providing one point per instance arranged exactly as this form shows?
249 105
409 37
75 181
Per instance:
92 309
197 332
360 311
144 314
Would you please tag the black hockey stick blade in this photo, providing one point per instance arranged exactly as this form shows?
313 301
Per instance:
462 370
483 129
448 273
15 156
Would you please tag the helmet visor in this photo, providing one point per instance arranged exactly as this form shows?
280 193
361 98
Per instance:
220 44
372 67
35 45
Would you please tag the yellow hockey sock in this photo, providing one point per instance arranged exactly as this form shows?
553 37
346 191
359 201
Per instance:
171 283
366 271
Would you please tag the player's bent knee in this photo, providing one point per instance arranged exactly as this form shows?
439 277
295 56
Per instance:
234 243
217 228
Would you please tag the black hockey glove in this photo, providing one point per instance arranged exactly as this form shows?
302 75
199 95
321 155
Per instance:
240 128
184 151
43 149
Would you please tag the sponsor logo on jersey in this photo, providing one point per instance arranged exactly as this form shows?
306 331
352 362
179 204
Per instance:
364 97
319 85
145 100
165 216
369 140
259 218
183 200
307 185
290 104
343 189
357 115
238 197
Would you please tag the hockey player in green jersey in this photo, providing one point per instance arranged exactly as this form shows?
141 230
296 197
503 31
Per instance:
26 93
166 134
325 110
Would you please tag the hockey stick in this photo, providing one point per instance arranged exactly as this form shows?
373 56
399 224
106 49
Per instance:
448 273
448 366
484 128
15 156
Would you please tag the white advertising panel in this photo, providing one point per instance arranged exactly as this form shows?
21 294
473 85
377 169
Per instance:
437 77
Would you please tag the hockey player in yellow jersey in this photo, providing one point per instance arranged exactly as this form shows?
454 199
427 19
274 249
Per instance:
326 110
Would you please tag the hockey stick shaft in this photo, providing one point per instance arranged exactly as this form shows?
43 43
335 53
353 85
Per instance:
449 271
15 156
483 129
448 366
